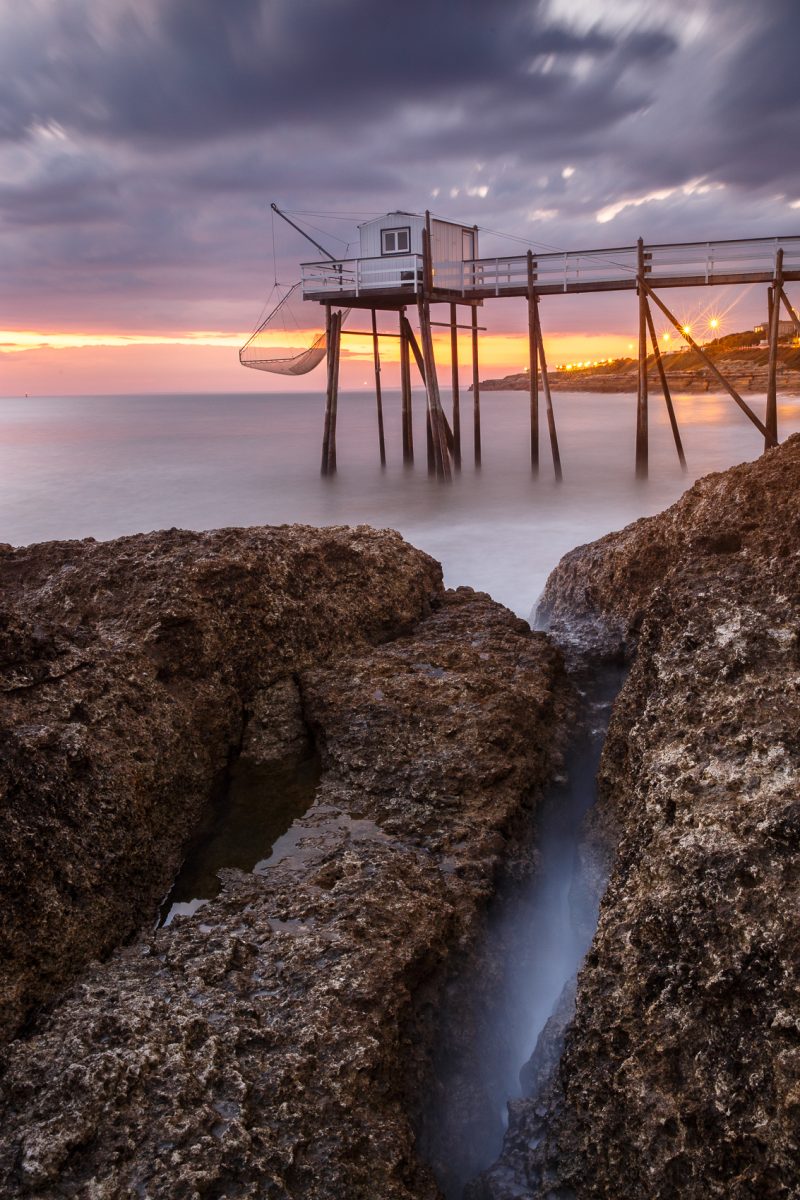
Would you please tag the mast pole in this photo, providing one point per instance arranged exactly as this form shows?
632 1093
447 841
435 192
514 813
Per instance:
303 233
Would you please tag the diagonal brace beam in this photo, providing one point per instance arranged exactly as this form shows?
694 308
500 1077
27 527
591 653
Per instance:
662 374
790 310
746 409
412 341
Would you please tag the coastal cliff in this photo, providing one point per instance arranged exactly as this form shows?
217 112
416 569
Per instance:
746 369
680 1074
277 1042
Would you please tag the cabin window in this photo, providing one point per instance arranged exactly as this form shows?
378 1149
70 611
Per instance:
396 241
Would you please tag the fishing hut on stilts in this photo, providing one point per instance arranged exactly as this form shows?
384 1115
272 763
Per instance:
413 266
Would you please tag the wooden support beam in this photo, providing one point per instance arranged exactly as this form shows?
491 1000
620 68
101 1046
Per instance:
328 466
712 366
551 419
420 361
330 354
771 415
476 391
378 397
414 344
533 361
642 451
367 333
439 446
454 327
662 374
427 257
405 388
449 324
335 397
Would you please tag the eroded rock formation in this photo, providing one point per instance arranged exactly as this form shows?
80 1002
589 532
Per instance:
681 1072
127 670
276 1042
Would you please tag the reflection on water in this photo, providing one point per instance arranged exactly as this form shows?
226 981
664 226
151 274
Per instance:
104 466
255 808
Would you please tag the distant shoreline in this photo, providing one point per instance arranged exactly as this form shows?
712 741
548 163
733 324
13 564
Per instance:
605 385
746 370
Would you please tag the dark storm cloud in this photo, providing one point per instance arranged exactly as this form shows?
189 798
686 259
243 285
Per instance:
144 138
757 107
196 69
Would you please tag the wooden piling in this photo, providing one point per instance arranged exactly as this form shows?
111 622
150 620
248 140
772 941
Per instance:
330 356
662 374
476 390
484 279
440 453
641 393
771 416
456 396
335 396
548 399
533 359
405 387
414 346
378 397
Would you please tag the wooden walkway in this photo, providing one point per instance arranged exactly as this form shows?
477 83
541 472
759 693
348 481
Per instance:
397 283
687 264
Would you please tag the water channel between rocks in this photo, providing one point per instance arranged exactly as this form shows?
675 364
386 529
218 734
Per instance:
538 933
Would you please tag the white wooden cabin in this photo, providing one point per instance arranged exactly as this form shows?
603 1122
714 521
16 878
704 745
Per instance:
398 236
401 233
390 258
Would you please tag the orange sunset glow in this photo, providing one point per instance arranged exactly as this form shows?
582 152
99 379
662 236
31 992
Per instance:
56 362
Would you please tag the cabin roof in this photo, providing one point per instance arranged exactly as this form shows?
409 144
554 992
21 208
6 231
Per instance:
399 212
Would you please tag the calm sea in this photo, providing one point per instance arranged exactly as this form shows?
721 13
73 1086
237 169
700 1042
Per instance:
109 465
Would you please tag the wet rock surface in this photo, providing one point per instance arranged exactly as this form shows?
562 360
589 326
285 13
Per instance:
276 1043
681 1072
127 671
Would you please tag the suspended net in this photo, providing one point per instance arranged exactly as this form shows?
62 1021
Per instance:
283 343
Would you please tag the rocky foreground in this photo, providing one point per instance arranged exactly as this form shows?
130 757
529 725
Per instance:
277 1042
681 1070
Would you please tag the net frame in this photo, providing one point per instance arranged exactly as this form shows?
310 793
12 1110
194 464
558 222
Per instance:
252 354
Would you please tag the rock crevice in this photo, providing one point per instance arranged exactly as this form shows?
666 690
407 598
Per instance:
681 1071
126 669
277 1042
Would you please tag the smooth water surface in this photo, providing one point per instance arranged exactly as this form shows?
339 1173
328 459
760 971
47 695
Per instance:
255 808
537 935
103 466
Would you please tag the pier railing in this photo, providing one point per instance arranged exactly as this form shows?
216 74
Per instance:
685 264
353 276
674 265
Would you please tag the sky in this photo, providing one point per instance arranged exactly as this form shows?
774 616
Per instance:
141 142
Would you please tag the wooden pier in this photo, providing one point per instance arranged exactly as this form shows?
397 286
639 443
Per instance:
399 281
